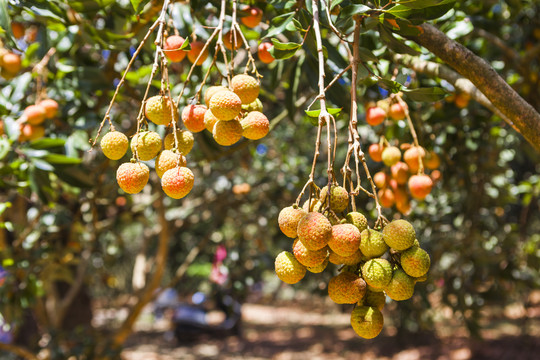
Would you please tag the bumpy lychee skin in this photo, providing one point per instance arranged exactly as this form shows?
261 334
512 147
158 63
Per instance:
377 272
288 220
415 262
50 106
114 145
172 48
411 158
185 141
254 106
255 125
227 133
177 182
288 269
225 105
391 155
346 288
158 110
420 186
307 257
314 230
339 199
375 299
211 91
400 287
345 260
367 321
246 87
319 268
132 177
147 143
35 114
210 120
372 243
168 159
399 234
193 117
357 219
345 239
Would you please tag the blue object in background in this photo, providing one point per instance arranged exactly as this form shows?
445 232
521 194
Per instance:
383 92
262 149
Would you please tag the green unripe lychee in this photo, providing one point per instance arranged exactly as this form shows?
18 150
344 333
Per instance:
400 287
367 321
372 243
288 220
375 299
306 257
391 155
147 143
339 199
114 145
314 230
185 141
288 269
377 272
399 235
415 261
345 239
358 220
254 106
346 288
319 268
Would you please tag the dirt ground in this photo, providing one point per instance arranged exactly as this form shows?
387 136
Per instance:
290 332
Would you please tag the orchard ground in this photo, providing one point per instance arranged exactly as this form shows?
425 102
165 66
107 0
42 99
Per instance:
315 328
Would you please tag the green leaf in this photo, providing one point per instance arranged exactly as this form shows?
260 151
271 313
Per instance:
279 24
422 4
75 177
395 44
425 94
316 113
354 9
46 143
138 5
390 85
59 159
283 50
185 45
367 55
421 14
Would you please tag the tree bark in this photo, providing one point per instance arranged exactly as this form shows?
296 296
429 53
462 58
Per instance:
521 114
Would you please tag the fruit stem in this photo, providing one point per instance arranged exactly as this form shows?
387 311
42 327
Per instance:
413 132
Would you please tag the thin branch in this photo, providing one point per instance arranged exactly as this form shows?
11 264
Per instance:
18 350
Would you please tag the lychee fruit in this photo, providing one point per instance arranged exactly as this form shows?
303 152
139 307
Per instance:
211 91
264 53
34 114
114 145
172 47
255 125
210 120
253 17
308 257
400 287
193 117
367 321
345 260
185 141
391 155
227 133
377 272
246 87
399 234
432 161
196 48
357 219
420 186
254 106
17 29
177 182
396 111
375 115
30 132
50 106
415 261
225 105
229 38
346 288
400 172
288 269
411 158
314 230
132 177
288 220
158 110
319 268
345 239
372 243
380 179
339 199
386 197
375 152
147 144
11 63
375 299
168 159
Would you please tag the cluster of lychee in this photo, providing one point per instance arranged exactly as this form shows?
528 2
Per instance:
373 263
31 123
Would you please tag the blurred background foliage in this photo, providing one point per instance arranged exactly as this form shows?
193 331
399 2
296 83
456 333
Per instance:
64 219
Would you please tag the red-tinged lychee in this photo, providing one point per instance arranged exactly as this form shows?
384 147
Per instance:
415 261
346 288
357 219
375 115
345 260
246 87
193 54
168 159
225 105
211 91
380 179
288 220
391 155
17 29
399 234
146 144
432 161
400 195
404 207
315 230
193 117
11 63
172 49
306 257
132 177
377 272
288 269
34 114
158 110
396 111
367 321
315 205
386 197
230 38
375 152
253 16
114 145
400 287
177 182
264 53
372 243
435 176
227 133
339 199
30 132
50 106
345 239
411 158
255 125
420 186
400 172
185 141
210 120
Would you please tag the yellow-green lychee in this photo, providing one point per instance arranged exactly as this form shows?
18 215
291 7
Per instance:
357 219
319 268
147 144
415 261
185 141
375 299
314 230
372 243
177 182
168 159
391 155
211 91
306 257
288 269
339 199
210 120
246 87
158 110
367 321
400 287
193 117
399 234
255 125
254 106
227 133
346 288
114 145
345 260
288 220
345 239
132 177
377 272
225 105
314 205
